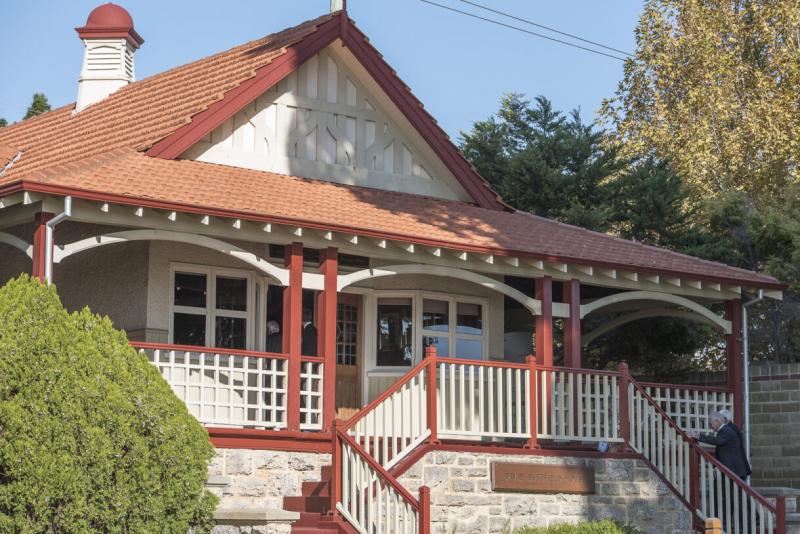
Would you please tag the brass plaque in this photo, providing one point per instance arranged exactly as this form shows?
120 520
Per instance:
535 478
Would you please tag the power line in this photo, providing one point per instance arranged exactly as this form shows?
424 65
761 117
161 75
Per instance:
526 21
523 30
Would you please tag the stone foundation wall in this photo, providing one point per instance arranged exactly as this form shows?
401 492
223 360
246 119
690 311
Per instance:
462 500
251 486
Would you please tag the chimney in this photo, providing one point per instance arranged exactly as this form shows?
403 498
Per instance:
109 42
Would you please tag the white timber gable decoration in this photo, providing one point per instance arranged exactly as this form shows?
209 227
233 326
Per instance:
329 120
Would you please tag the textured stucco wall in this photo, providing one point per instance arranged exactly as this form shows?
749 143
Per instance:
462 500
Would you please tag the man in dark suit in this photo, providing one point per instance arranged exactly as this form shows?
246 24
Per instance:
309 335
728 442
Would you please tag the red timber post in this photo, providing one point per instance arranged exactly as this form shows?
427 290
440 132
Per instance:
733 357
326 328
694 485
533 423
780 514
336 467
572 325
293 331
430 391
424 510
544 321
624 415
39 244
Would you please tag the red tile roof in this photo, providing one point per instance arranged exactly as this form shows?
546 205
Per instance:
129 176
97 154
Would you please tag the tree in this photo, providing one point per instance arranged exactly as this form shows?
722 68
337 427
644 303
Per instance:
38 106
3 122
713 87
93 439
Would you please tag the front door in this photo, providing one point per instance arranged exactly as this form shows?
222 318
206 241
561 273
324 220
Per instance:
349 355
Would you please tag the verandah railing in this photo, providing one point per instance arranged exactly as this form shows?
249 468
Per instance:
238 388
690 406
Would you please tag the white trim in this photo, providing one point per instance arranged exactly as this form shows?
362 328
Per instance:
16 242
210 311
645 314
628 296
277 273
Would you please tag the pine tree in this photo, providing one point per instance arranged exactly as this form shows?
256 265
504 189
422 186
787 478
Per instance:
38 106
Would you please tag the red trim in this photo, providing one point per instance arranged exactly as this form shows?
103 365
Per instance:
37 187
293 330
129 34
424 510
237 98
215 350
544 322
734 373
686 386
624 419
278 440
39 245
572 325
533 399
430 393
326 335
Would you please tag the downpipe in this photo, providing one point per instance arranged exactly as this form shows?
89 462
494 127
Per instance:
746 377
48 238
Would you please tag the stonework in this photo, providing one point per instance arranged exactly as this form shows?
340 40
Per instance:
462 500
250 480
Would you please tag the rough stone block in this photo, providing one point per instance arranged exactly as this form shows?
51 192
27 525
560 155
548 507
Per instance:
238 462
462 485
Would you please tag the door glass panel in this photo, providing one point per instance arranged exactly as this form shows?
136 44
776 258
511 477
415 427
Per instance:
346 334
435 316
470 349
469 319
231 293
395 333
190 290
442 345
230 332
189 329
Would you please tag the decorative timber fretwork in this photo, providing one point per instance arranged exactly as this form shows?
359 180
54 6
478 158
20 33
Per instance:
322 122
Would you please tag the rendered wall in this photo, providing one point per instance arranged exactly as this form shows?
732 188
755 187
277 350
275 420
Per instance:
462 500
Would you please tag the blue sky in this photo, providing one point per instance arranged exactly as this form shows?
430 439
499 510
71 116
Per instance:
457 66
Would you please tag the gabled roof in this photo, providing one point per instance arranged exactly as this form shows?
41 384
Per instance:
165 114
127 176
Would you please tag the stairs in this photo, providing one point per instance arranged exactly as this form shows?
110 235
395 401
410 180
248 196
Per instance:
314 505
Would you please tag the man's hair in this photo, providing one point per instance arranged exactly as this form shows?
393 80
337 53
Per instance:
308 315
718 416
727 415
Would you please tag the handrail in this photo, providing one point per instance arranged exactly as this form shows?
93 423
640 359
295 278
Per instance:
577 370
694 446
213 350
382 473
485 363
405 379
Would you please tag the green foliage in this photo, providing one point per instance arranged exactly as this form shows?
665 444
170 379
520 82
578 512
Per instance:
38 106
3 122
91 437
590 527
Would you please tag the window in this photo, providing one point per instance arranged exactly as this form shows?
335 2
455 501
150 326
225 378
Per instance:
346 334
212 307
454 326
395 332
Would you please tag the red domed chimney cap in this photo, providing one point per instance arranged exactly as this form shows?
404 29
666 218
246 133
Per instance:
110 20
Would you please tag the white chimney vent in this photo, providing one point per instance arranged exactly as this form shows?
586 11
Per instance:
109 44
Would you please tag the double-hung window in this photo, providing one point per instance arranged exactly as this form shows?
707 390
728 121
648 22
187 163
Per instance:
454 326
212 307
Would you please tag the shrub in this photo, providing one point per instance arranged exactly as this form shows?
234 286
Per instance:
92 439
590 527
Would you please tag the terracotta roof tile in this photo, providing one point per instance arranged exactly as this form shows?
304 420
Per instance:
264 195
143 112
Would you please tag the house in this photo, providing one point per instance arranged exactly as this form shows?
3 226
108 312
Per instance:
325 281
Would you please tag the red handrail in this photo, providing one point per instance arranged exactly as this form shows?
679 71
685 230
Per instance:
694 445
687 386
382 473
214 350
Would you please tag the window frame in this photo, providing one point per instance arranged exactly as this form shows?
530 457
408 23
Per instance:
210 310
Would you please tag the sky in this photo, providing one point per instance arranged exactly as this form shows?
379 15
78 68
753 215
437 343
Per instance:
457 66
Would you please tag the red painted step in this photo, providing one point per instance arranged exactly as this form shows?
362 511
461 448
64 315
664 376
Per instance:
313 505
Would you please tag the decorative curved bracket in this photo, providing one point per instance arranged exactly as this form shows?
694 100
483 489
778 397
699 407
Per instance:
17 243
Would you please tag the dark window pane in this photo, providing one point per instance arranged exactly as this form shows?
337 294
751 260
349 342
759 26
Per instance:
190 290
469 319
435 316
470 349
395 332
442 345
231 333
231 293
189 329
